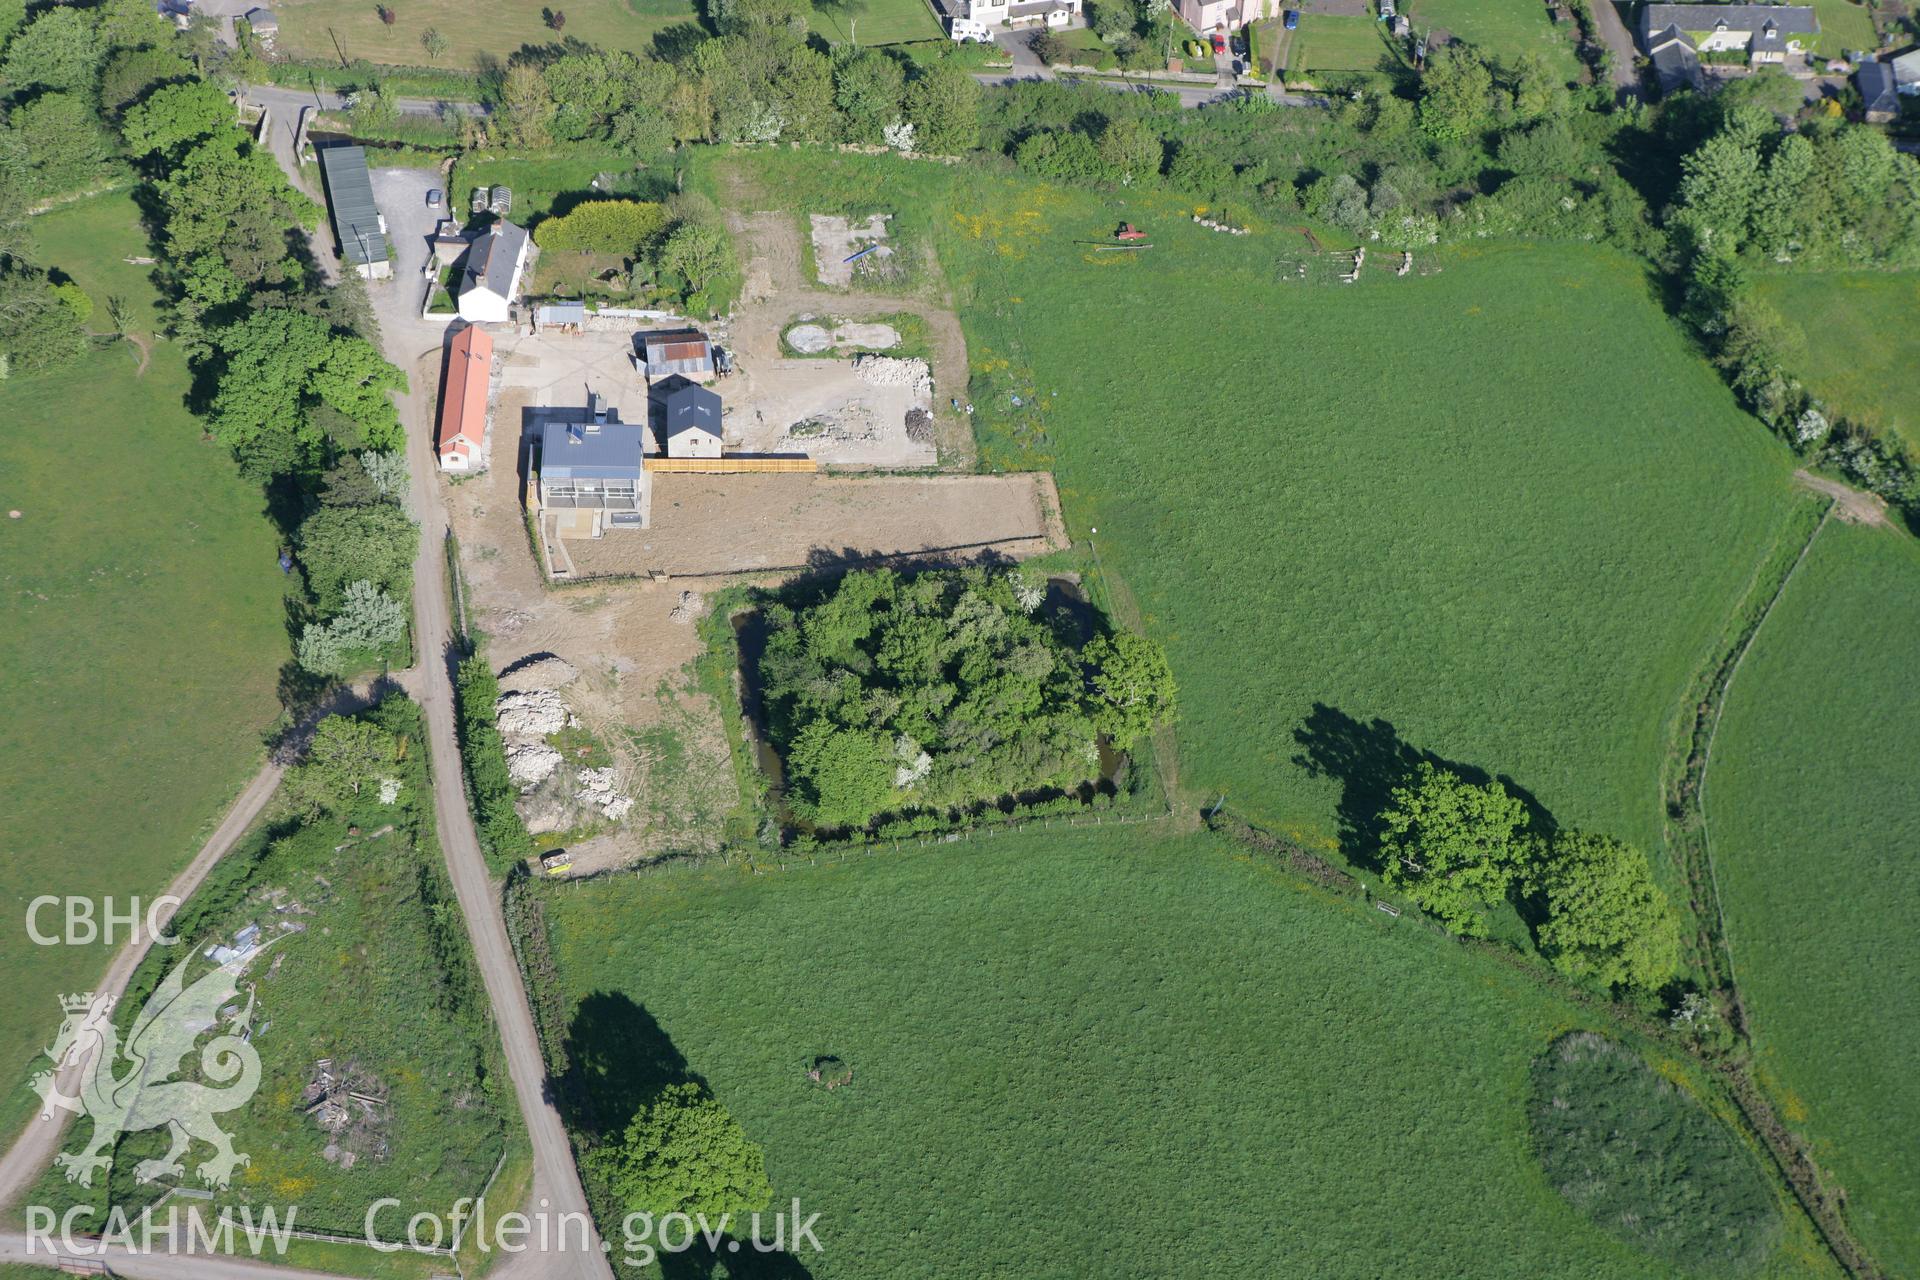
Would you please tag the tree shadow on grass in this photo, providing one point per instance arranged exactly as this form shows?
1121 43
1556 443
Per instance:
619 1059
1369 760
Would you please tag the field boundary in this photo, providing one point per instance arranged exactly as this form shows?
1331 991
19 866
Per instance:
1689 838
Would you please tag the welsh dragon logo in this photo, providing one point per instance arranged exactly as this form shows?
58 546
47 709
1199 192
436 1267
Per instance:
88 1049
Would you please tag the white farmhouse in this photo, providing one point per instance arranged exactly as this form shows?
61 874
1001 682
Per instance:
495 263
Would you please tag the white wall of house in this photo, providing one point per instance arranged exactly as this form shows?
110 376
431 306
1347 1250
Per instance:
693 444
481 305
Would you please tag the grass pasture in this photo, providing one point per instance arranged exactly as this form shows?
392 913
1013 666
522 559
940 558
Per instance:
142 633
1170 1056
1856 330
1393 517
1336 42
1815 818
1508 29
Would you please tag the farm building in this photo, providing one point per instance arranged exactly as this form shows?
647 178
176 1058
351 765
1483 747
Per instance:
1769 34
495 263
594 468
359 232
691 420
571 316
264 25
683 352
1879 98
462 435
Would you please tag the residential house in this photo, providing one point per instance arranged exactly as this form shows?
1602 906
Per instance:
979 19
676 352
461 439
1676 64
360 233
1878 96
691 420
496 261
1906 72
1206 16
595 468
1766 34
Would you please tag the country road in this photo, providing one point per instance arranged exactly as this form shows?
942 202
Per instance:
415 345
34 1149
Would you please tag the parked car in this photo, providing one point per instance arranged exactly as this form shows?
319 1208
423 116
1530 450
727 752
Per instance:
1219 43
433 198
1292 21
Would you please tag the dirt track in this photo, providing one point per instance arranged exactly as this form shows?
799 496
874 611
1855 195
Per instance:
1852 505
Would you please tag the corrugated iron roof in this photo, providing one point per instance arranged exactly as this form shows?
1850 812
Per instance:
356 219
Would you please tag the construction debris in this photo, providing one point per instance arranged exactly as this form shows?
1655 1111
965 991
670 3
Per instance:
532 713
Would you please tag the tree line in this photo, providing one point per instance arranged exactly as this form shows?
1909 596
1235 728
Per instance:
286 372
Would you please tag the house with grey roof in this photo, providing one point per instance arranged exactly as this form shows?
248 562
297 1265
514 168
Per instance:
1906 72
496 262
690 419
1879 99
1762 34
595 467
1675 60
360 233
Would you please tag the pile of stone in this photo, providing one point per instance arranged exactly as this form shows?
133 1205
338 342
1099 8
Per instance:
892 371
1227 227
599 789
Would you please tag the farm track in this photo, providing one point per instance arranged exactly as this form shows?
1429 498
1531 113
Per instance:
34 1149
1683 793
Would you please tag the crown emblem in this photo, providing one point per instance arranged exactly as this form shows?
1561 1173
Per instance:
79 1002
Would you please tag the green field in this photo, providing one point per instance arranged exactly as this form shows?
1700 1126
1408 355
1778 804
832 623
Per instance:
1857 342
1508 29
328 30
1332 42
142 631
1148 1052
1815 819
1410 515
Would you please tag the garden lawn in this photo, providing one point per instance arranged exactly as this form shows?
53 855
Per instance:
1815 818
881 22
1844 25
1334 42
311 28
1507 29
141 636
1095 1052
1858 342
541 182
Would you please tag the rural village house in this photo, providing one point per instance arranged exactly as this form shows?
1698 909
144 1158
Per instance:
1878 97
495 263
977 19
1906 72
691 420
1675 36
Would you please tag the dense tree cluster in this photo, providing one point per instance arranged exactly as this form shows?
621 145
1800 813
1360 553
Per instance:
1456 847
888 693
684 1153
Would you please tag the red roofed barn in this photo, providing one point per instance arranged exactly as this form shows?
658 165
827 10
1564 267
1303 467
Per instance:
463 400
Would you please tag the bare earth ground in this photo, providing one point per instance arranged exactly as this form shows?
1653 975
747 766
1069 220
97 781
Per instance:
775 292
632 635
1851 505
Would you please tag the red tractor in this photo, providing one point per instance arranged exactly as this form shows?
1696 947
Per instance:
1128 231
